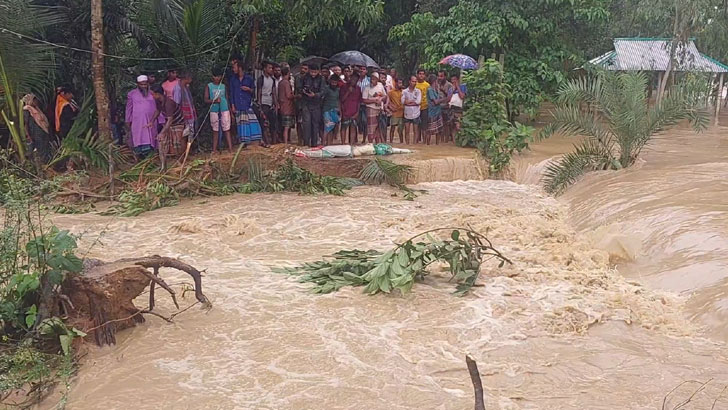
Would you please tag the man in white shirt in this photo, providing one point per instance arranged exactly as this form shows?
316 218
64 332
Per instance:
411 99
374 96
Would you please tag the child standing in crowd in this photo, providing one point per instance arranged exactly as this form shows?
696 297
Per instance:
216 96
396 121
350 100
331 107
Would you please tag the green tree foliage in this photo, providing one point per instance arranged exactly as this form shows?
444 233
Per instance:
613 112
541 39
485 123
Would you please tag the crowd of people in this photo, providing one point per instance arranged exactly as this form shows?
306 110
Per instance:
321 105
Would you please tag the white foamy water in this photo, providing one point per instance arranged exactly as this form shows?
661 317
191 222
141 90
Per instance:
560 329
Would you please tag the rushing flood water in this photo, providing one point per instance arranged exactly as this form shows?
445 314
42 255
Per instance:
561 329
666 221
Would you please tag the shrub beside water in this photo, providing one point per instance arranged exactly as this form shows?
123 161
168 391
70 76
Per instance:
485 124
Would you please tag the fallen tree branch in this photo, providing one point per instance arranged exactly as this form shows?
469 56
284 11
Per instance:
157 262
156 279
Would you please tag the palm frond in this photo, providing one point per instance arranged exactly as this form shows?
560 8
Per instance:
569 120
619 121
581 90
679 103
86 117
25 61
380 171
90 152
588 156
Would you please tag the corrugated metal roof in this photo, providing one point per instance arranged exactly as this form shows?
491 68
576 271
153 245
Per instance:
653 54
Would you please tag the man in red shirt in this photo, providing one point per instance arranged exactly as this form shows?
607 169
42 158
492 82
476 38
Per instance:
350 100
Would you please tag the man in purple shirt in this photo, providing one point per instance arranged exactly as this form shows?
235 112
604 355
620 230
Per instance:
142 117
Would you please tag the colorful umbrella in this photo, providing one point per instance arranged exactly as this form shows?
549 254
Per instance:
460 61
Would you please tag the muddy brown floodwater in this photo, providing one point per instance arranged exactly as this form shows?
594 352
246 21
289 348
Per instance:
560 329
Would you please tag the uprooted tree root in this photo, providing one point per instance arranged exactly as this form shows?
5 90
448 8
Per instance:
101 299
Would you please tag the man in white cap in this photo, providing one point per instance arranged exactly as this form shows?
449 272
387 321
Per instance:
142 118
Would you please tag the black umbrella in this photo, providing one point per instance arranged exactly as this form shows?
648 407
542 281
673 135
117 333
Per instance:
315 60
354 57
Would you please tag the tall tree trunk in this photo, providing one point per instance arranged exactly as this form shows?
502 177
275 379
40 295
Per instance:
673 47
97 66
666 76
252 57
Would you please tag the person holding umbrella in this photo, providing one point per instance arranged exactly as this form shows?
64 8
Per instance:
456 102
457 91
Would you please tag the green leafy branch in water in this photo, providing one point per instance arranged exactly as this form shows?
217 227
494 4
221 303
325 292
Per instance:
400 267
380 171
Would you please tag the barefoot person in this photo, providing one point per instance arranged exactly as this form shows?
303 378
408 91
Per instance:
242 88
434 112
456 102
216 96
350 100
141 112
170 139
411 99
423 86
287 104
331 106
374 97
395 107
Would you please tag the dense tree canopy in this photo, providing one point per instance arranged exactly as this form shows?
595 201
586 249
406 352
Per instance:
540 41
